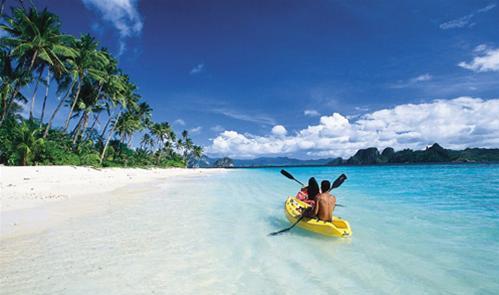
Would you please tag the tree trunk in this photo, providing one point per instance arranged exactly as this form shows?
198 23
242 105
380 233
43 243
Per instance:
4 106
77 126
35 55
24 161
57 109
33 97
45 98
1 7
96 119
9 104
107 125
4 103
66 125
105 146
85 122
82 126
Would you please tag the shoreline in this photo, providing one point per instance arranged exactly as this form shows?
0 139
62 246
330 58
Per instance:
34 198
364 165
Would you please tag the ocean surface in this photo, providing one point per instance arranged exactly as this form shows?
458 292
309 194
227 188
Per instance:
422 229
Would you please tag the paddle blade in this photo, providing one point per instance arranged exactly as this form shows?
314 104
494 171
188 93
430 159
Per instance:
287 174
278 232
339 181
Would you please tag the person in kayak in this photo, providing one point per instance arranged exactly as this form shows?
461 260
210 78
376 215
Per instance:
325 203
308 193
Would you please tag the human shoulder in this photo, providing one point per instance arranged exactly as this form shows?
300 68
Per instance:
322 196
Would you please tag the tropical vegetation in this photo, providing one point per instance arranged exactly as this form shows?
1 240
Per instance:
97 108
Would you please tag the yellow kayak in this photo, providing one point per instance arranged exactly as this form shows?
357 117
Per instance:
293 209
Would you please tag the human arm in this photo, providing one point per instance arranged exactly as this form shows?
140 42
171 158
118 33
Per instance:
316 207
333 202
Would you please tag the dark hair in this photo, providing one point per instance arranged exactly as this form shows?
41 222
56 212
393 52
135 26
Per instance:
313 188
325 186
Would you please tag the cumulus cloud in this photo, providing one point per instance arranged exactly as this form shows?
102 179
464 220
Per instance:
456 123
197 69
123 15
311 113
486 60
279 130
465 21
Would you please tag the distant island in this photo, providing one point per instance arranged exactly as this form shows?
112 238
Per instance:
368 156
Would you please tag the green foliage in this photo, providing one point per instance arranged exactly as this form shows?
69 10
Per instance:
433 154
22 143
88 83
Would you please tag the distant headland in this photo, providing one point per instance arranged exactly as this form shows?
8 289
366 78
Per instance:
368 156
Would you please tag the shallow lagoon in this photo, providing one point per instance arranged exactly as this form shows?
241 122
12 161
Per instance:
416 229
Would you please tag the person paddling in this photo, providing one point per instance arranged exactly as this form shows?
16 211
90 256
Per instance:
308 193
325 203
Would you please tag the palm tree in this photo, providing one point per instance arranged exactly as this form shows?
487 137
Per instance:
63 83
147 141
89 99
126 125
109 74
88 62
11 80
47 85
197 151
116 91
195 154
35 39
122 94
164 135
27 141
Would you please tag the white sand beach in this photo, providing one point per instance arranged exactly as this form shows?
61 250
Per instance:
33 198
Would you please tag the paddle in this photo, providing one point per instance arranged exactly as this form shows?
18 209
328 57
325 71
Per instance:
288 175
336 184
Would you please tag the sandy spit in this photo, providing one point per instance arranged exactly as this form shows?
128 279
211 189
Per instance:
35 197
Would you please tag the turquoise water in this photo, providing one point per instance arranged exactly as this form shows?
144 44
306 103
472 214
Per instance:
426 229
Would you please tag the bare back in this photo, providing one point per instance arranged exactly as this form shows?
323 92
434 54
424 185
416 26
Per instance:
324 207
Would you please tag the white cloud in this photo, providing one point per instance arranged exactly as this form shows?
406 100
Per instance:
122 14
196 130
197 69
486 8
465 21
486 60
455 123
422 78
311 113
362 109
217 128
179 122
412 82
253 118
457 23
279 130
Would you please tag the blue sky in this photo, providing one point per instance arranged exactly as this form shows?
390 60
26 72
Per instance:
307 78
